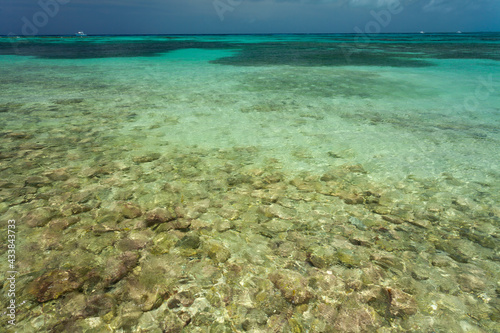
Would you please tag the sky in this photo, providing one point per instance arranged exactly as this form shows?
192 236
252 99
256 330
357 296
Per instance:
95 17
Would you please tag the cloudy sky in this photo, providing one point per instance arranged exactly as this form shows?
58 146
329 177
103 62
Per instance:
57 17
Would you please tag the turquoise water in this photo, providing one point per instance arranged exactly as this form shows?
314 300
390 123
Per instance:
260 183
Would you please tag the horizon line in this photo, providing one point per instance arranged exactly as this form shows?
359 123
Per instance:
260 33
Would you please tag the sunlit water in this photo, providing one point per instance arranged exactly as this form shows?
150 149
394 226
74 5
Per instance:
369 169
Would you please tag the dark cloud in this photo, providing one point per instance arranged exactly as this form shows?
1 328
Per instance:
242 16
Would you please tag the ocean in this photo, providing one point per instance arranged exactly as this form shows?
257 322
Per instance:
250 183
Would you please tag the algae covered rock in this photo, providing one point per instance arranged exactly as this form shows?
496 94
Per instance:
131 210
57 175
456 249
348 258
174 322
60 224
180 224
321 257
163 242
275 210
128 316
352 198
328 312
53 284
160 215
183 298
118 267
146 158
400 303
355 319
293 286
100 305
36 181
39 217
189 242
357 223
472 282
146 296
74 208
197 208
274 227
127 244
268 300
217 252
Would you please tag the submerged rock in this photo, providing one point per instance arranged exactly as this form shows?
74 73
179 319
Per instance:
275 210
357 223
162 243
217 252
392 219
63 223
40 216
196 209
37 181
69 101
100 305
441 260
97 172
160 215
454 249
131 210
128 316
348 258
180 224
471 282
7 184
128 244
173 322
118 267
479 237
400 303
328 312
108 217
183 298
147 297
352 199
18 135
189 242
74 208
321 257
357 319
74 304
82 196
421 223
57 175
53 284
146 158
293 286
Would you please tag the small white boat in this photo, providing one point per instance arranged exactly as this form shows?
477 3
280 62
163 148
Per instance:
80 34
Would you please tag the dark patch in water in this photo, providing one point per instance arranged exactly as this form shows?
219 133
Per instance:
321 50
91 48
319 54
349 51
10 107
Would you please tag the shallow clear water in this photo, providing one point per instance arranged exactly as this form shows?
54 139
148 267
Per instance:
318 183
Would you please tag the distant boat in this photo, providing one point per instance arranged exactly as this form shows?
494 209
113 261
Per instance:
459 32
80 34
422 32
